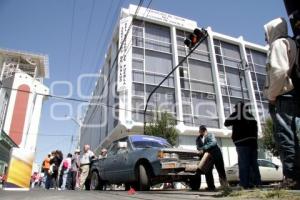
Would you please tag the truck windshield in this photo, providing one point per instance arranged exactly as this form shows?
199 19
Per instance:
151 144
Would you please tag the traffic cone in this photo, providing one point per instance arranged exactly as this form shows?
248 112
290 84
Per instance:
131 191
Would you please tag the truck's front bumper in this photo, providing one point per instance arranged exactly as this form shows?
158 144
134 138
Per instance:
175 168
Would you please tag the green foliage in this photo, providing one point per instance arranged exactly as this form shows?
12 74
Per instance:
268 141
163 125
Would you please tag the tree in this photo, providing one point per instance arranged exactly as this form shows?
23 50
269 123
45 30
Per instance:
268 141
163 125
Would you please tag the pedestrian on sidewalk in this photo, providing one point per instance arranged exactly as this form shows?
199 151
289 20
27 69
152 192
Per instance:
244 136
54 165
46 168
74 171
85 163
283 98
64 169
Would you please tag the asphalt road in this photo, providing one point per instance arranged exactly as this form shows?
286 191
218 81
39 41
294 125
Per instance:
111 195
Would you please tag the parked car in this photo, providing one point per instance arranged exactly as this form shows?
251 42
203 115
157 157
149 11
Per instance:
269 172
141 161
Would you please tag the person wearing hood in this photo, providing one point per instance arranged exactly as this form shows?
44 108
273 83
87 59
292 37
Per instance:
281 95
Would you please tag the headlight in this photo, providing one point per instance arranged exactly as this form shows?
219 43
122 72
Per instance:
164 155
175 156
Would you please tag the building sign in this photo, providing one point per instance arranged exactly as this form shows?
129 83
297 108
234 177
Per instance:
125 54
164 17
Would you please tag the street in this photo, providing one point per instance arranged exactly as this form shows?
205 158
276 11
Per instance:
78 195
149 195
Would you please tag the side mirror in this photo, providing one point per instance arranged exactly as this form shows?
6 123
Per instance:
122 145
277 167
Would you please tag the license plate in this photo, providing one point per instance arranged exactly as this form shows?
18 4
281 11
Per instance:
191 167
169 165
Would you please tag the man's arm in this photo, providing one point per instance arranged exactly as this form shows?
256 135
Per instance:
230 120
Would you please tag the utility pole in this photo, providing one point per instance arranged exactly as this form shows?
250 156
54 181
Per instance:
240 67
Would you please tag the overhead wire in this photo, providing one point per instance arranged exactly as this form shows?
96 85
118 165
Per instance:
103 38
86 36
116 58
85 101
71 39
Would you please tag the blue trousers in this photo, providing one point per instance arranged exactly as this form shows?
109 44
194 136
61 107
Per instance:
286 123
248 167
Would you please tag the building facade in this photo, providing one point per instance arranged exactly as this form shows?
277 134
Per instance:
221 72
22 93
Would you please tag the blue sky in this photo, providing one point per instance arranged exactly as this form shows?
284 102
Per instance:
75 34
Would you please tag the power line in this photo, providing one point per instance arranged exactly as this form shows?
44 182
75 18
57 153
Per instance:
104 39
86 35
71 38
117 55
85 101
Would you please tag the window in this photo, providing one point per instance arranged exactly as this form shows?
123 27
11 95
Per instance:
200 70
157 32
138 76
158 46
137 41
203 87
137 53
158 62
137 31
138 89
231 50
137 64
204 105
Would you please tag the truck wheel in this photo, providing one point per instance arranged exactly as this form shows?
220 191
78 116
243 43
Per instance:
143 179
95 181
195 182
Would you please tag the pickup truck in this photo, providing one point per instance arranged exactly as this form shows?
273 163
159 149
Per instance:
141 161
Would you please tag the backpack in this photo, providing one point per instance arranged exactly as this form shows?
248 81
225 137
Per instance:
295 73
65 165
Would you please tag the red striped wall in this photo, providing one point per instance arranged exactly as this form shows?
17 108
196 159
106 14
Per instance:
19 114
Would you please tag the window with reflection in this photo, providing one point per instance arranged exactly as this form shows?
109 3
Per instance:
231 75
197 85
151 62
257 65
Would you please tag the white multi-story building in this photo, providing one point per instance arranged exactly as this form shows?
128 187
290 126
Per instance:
201 91
22 93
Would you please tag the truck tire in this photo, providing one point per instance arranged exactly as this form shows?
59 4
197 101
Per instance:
95 181
143 179
195 182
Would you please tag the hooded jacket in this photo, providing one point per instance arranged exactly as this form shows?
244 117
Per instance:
281 57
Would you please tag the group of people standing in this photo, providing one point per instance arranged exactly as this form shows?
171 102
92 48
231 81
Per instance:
284 108
70 172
